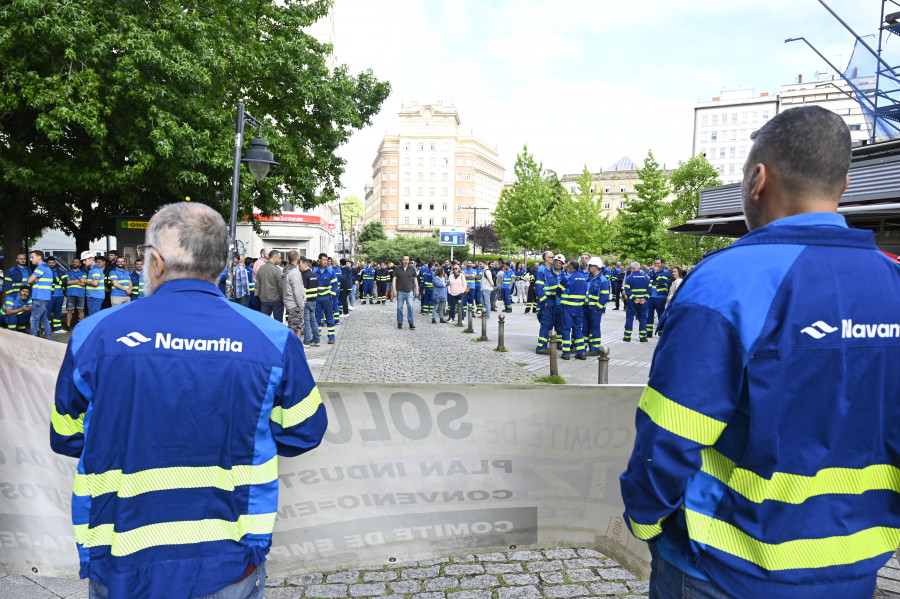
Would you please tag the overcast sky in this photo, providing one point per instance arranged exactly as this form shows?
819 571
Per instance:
581 81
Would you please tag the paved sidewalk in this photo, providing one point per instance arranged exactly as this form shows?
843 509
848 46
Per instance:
370 347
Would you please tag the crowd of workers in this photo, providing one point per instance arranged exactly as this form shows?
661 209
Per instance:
569 297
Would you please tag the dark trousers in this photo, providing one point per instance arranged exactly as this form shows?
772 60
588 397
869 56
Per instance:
345 296
274 309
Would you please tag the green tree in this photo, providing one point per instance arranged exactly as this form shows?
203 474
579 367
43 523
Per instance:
687 181
353 208
641 224
524 213
117 108
372 231
581 222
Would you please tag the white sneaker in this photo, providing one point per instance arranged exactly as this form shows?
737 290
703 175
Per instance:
350 307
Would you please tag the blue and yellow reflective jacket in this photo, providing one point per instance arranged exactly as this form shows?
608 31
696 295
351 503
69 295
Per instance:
73 287
546 284
659 282
776 473
15 278
574 290
326 280
637 286
368 274
176 489
597 293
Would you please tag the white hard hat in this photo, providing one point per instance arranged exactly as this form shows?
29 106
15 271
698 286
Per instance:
560 257
595 261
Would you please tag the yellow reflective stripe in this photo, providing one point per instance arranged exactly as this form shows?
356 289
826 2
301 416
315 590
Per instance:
796 554
173 533
182 477
678 419
296 414
796 488
66 425
646 531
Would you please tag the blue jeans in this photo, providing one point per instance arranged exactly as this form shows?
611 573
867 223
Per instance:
274 309
668 582
94 305
40 313
405 297
486 300
352 297
249 588
310 326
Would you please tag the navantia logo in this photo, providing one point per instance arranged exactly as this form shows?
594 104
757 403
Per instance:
855 330
818 329
133 339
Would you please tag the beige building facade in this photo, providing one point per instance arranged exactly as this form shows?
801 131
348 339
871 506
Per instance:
612 184
431 176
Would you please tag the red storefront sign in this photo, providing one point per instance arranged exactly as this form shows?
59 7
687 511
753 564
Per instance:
293 218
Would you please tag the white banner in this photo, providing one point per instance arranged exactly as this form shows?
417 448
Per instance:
405 472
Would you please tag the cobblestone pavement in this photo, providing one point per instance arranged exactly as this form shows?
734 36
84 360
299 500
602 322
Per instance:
370 347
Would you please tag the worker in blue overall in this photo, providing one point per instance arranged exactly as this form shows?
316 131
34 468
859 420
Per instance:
368 278
324 301
546 282
572 300
595 305
636 292
507 282
660 279
57 296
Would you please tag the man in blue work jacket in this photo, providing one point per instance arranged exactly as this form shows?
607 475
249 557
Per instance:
176 490
546 286
58 296
595 305
41 281
773 473
660 279
636 293
324 302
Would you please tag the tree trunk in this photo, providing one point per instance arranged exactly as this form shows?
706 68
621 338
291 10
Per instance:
13 231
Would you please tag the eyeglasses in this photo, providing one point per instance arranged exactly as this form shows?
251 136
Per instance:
142 250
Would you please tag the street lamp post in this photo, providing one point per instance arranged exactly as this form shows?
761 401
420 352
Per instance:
341 216
258 160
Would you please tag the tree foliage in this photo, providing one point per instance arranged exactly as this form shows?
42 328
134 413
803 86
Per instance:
641 224
581 222
485 237
524 215
119 107
352 211
687 181
420 249
372 231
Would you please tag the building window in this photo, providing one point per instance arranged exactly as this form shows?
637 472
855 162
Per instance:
458 192
384 162
432 177
431 192
703 137
421 149
467 222
384 205
742 153
420 161
713 136
406 206
744 118
393 176
704 120
445 176
459 206
606 189
468 176
384 176
393 191
446 162
443 221
431 206
393 162
730 169
621 189
407 162
420 206
407 176
732 152
622 205
384 220
854 127
444 206
393 220
432 147
430 221
732 135
459 221
743 135
393 205
459 162
406 146
420 176
469 193
765 115
431 162
405 220
459 176
468 162
753 116
419 221
715 120
420 191
444 191
734 118
606 205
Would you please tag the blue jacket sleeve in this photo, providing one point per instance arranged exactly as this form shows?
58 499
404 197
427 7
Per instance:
679 415
69 408
298 416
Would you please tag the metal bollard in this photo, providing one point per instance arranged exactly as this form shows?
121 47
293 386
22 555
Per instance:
603 366
501 319
484 315
469 328
554 365
459 316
